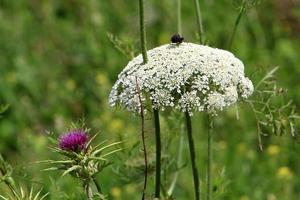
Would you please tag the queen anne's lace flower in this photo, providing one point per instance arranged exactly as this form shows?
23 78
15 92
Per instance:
186 76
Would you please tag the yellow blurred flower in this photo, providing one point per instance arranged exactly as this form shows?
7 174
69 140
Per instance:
222 145
11 77
130 189
244 198
116 125
70 84
273 150
250 154
271 197
116 192
96 18
241 148
101 79
284 173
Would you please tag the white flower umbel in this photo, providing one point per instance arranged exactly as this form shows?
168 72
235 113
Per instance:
186 76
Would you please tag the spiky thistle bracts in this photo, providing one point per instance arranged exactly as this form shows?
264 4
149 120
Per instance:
188 77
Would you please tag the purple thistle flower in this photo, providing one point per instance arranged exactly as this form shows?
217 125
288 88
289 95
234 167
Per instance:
74 140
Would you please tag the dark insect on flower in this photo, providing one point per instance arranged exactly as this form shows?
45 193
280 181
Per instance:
177 39
74 140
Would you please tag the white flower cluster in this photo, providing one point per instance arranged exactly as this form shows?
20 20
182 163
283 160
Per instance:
186 76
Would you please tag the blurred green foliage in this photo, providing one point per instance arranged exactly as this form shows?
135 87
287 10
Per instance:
57 64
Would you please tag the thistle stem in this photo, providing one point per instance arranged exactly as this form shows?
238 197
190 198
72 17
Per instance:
199 21
88 191
209 159
143 32
193 156
97 186
158 153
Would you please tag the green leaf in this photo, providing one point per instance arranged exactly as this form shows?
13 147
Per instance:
98 145
105 147
54 162
3 108
51 169
269 75
3 197
97 158
112 152
90 141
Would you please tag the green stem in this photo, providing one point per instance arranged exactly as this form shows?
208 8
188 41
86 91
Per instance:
209 159
237 22
143 32
193 156
156 118
199 21
179 17
158 153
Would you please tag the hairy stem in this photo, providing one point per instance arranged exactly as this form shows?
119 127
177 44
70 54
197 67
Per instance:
158 153
193 156
199 21
143 32
209 159
143 140
237 22
145 60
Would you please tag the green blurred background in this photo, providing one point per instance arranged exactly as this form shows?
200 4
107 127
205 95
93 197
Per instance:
57 65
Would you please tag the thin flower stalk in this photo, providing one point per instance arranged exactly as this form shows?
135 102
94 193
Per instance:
158 153
193 156
236 24
143 32
199 21
143 140
209 159
179 29
181 137
155 111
